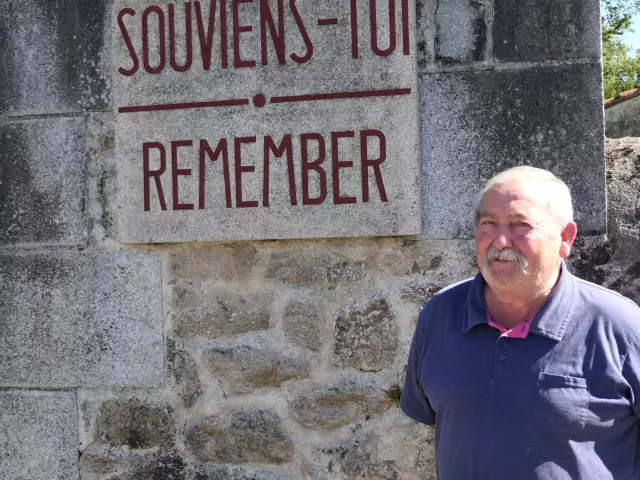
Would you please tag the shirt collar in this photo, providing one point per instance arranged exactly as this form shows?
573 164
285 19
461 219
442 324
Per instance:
550 321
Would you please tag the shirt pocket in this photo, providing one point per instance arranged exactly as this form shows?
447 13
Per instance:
562 402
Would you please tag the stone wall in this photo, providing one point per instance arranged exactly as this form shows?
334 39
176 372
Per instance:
621 116
266 359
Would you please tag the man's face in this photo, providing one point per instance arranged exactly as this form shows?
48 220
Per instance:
517 242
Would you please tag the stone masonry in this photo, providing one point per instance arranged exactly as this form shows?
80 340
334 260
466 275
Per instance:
265 359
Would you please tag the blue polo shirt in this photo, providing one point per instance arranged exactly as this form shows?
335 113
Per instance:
563 403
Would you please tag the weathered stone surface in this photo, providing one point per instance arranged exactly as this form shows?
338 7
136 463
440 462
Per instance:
623 196
79 318
199 309
322 270
54 56
423 258
334 405
225 472
242 369
103 463
302 325
622 117
394 448
241 437
366 336
231 262
42 185
461 31
419 292
185 374
101 178
476 124
426 31
38 435
135 425
535 30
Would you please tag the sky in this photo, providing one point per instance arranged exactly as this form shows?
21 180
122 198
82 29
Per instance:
633 39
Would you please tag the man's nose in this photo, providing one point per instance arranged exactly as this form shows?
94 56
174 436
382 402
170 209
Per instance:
502 238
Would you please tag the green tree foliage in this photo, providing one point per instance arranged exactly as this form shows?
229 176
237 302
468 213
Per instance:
620 68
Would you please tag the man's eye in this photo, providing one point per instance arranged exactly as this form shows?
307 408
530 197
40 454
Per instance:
487 222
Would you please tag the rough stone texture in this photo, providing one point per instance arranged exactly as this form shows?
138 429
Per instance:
242 369
135 425
314 269
535 30
223 472
334 405
230 262
241 437
393 448
54 56
302 325
612 261
419 293
461 31
72 318
42 186
283 211
421 258
202 310
476 124
622 119
101 181
38 435
366 336
100 463
184 372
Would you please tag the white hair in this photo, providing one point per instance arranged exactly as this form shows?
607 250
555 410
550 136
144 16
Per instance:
556 192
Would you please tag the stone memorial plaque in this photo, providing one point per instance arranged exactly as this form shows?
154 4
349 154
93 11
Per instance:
261 119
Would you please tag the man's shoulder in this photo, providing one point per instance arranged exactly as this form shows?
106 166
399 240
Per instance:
609 306
601 297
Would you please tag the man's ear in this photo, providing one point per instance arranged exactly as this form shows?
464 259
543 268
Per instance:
568 235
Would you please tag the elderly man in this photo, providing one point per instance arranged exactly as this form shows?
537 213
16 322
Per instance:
526 371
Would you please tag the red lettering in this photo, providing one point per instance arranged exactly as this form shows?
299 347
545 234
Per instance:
285 147
354 28
221 149
305 36
405 27
240 169
128 43
177 172
315 165
237 30
172 39
206 37
145 38
374 29
148 173
266 20
367 163
336 165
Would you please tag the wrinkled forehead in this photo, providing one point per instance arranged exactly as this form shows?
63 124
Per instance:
529 198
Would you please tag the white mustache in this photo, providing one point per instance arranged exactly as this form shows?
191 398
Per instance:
507 255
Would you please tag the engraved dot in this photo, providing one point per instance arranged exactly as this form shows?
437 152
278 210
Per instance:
260 100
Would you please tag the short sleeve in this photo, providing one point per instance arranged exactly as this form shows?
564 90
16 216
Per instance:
631 373
413 402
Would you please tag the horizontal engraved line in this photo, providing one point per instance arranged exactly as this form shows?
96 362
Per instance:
327 21
341 95
185 105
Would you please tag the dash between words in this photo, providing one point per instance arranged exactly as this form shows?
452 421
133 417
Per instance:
298 169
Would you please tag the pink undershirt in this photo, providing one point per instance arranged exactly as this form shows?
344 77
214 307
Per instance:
519 331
